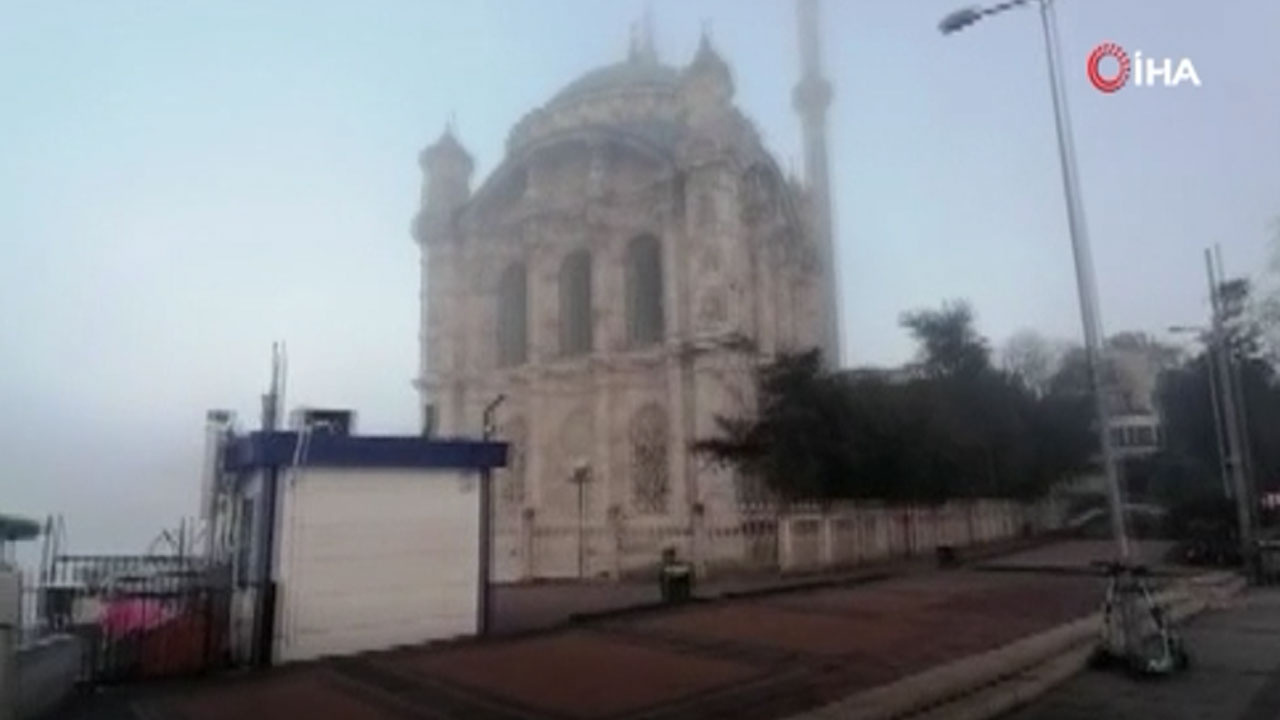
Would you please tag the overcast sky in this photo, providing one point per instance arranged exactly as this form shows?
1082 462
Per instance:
184 182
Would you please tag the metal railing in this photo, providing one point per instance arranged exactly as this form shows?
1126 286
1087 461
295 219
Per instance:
138 616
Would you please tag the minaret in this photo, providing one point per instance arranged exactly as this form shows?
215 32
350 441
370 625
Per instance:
811 98
446 188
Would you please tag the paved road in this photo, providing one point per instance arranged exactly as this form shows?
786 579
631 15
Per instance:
1235 675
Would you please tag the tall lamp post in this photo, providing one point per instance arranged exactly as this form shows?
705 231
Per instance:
1086 284
580 477
486 518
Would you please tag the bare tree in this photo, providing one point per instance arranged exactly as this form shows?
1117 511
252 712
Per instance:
1033 358
1266 307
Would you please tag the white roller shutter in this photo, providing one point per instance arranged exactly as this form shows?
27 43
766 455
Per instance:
371 559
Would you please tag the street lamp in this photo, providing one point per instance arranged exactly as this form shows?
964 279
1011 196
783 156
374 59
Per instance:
487 429
1086 283
581 475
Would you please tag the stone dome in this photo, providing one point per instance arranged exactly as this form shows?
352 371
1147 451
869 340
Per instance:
636 73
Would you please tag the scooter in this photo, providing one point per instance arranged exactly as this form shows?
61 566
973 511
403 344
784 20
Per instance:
1136 633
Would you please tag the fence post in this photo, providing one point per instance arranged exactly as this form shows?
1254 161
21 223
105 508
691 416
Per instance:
826 549
908 531
784 542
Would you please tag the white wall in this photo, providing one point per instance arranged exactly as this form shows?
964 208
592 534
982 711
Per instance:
374 558
761 538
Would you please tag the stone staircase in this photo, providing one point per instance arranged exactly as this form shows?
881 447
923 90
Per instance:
993 683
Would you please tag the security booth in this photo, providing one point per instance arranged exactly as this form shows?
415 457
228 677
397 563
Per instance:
341 544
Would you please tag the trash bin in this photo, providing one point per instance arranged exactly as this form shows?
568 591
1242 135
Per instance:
947 556
675 579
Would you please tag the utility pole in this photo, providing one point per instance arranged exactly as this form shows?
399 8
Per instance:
1224 469
1242 409
1244 511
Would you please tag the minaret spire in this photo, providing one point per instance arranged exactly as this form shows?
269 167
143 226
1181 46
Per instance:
812 98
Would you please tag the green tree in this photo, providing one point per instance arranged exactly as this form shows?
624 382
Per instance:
949 343
798 443
958 428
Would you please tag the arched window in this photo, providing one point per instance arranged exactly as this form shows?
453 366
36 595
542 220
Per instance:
644 291
513 313
706 211
575 304
650 481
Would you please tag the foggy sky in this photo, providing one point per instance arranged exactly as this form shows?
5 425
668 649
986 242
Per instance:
183 183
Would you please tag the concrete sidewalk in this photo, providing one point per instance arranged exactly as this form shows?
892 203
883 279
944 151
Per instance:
1234 675
521 608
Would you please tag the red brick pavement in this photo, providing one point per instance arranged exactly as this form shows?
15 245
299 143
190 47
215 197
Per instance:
758 658
581 674
310 693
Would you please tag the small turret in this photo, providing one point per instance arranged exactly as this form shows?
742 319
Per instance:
709 73
706 91
446 186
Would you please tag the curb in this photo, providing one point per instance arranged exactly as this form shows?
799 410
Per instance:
799 583
695 600
992 683
1071 570
848 581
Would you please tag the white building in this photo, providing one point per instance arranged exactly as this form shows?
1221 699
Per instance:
339 544
618 277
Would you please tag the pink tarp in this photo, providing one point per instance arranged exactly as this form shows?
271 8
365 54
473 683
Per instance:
130 615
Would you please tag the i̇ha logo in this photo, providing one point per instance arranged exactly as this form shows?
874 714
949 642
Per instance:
1143 75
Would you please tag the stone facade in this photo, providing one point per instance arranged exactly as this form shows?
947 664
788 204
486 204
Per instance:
618 278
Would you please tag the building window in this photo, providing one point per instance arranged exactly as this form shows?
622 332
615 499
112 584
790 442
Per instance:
1117 436
1146 436
513 313
575 304
644 291
650 481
